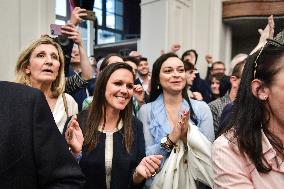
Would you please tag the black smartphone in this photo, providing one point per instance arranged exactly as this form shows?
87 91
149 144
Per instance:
91 15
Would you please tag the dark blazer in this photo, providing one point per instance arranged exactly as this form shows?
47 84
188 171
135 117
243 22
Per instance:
123 163
33 153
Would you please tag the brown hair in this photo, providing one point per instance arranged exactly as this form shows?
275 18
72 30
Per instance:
96 112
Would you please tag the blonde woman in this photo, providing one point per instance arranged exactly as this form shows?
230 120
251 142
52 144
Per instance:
41 65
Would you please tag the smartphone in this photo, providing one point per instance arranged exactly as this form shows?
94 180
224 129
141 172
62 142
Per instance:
55 29
91 15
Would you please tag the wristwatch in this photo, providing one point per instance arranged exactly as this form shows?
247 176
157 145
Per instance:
164 140
166 145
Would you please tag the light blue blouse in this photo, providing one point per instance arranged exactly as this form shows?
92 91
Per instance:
156 125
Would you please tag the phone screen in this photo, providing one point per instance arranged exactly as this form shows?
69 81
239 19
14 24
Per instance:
55 29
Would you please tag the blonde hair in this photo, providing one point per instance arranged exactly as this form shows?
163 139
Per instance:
23 61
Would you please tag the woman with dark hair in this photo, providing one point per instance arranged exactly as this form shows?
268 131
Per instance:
250 153
168 99
114 148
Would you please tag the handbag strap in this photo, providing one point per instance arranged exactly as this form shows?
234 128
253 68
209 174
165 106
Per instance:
65 103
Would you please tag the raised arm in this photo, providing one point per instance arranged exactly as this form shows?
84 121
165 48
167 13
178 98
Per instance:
265 34
76 15
72 33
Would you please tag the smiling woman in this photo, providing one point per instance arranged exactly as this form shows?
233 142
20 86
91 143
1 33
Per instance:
41 65
114 148
165 128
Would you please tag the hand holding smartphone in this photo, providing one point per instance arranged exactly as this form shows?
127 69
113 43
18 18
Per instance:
91 15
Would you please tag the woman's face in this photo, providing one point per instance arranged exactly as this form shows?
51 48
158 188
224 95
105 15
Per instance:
190 76
172 75
215 85
43 64
275 98
119 89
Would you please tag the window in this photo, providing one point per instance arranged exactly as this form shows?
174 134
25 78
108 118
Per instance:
109 15
61 12
109 20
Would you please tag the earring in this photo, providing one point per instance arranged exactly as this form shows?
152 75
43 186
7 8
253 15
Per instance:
264 97
158 87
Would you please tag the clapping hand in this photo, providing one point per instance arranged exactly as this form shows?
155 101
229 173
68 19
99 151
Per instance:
74 136
184 125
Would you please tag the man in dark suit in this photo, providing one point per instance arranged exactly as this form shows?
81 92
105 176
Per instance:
33 154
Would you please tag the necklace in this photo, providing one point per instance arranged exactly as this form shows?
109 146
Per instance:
118 127
110 130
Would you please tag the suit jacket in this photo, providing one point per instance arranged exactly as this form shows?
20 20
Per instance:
33 154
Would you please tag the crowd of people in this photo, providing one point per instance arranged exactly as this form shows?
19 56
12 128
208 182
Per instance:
114 124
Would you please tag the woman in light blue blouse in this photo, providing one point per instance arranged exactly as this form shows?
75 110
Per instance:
168 99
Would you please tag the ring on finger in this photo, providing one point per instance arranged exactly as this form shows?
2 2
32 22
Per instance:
154 174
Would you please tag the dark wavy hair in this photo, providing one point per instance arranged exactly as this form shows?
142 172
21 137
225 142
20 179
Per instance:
250 115
96 112
188 53
155 82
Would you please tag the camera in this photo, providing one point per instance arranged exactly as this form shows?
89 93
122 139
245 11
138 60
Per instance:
66 46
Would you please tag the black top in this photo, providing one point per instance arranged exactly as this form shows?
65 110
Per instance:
33 153
123 164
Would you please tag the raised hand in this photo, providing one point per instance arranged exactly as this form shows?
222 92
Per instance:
271 25
266 33
175 47
72 32
138 93
76 15
209 59
74 136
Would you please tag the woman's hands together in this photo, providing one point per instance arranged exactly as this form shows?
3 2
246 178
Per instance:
180 130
